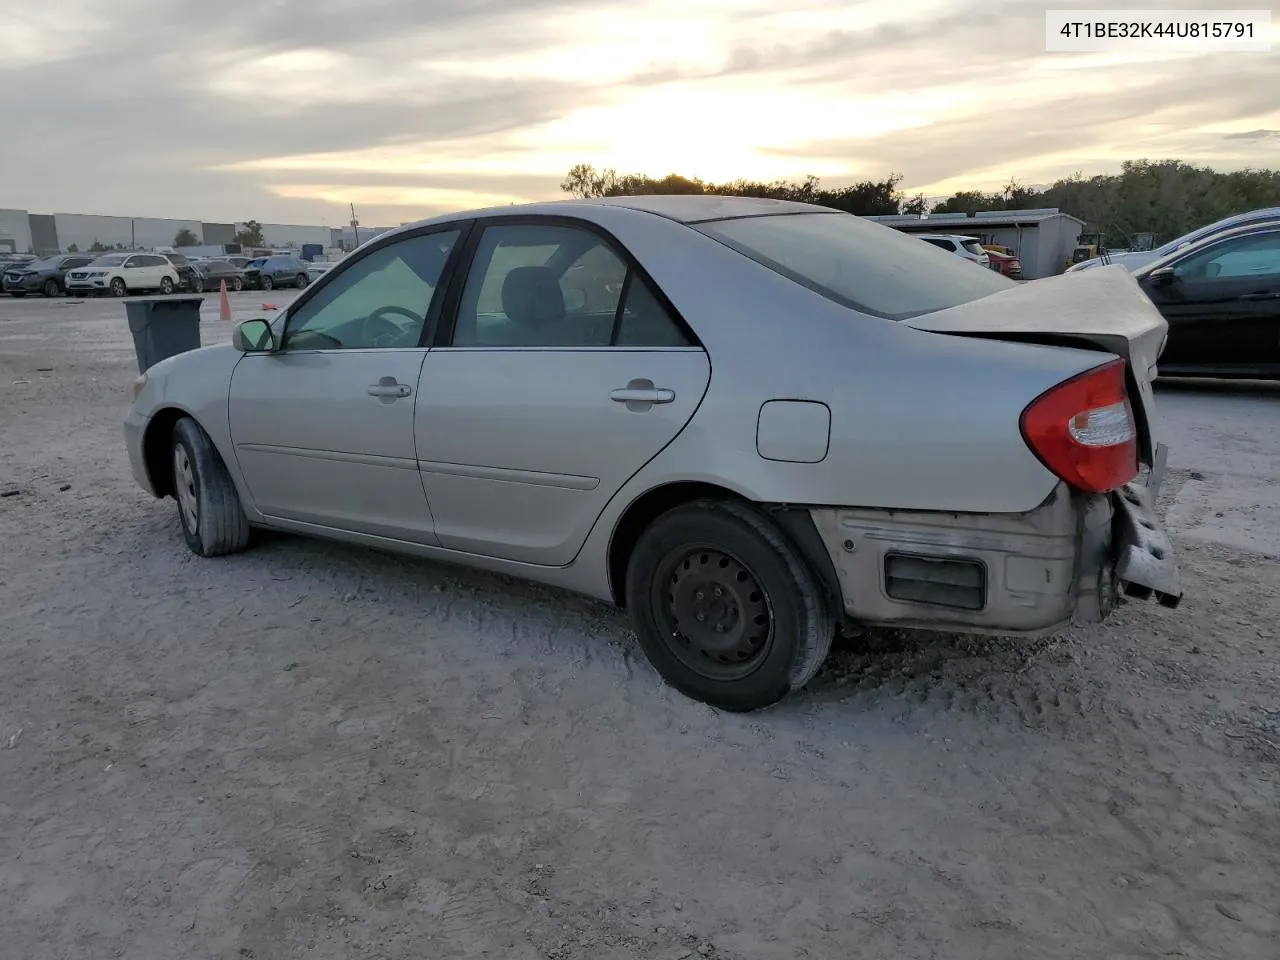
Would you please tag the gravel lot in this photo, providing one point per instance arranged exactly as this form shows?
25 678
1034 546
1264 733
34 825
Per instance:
314 750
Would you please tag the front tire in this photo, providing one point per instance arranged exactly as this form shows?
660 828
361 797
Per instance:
267 282
52 288
118 288
236 284
302 280
166 285
727 610
209 511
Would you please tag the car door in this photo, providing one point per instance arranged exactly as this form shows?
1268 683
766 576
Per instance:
323 427
560 372
1222 303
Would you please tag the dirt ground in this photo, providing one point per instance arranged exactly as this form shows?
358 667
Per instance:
311 750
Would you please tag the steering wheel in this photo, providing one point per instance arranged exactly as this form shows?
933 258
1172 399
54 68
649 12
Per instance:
379 331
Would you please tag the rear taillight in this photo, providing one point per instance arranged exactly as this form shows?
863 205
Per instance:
1083 430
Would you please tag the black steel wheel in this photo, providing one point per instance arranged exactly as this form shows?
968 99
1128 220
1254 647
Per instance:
714 610
301 280
726 608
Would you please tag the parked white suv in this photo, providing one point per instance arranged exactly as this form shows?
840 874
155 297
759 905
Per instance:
124 273
967 247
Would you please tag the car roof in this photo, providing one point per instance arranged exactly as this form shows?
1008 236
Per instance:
943 236
682 208
1244 230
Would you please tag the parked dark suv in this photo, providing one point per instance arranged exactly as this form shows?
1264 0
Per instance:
46 276
266 273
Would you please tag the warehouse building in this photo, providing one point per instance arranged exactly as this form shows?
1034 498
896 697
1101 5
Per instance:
47 234
1043 239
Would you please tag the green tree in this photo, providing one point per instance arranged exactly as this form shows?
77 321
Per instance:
185 238
73 249
99 246
917 206
251 235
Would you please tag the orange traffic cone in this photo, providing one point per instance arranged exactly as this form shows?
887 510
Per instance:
224 310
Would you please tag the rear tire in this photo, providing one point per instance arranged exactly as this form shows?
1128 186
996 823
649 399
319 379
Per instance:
236 284
209 511
727 610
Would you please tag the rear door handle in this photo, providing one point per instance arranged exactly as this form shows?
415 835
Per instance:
388 390
1260 296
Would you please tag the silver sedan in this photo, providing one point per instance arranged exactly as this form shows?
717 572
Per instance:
747 421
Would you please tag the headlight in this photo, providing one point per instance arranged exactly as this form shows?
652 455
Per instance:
138 384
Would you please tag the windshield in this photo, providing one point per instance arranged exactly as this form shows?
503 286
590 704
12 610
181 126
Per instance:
112 261
45 264
858 263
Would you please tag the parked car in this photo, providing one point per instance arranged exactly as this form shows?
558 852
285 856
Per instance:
188 275
318 268
920 443
1131 260
966 247
47 276
266 273
1005 263
124 273
235 260
213 272
1221 298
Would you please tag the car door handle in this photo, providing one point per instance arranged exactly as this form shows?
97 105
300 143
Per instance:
642 395
1260 296
387 389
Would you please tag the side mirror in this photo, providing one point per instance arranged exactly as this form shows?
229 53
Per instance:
254 336
1164 277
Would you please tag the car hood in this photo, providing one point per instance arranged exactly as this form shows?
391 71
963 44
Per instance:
1130 261
1105 310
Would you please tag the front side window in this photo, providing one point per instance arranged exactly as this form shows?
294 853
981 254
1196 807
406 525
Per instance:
557 286
1237 259
114 260
379 301
858 263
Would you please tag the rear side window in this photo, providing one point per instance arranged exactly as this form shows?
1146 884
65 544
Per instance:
939 242
858 263
974 247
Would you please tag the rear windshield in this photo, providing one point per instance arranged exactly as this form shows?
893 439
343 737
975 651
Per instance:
973 246
858 263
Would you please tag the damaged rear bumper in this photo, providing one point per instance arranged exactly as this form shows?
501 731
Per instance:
1013 574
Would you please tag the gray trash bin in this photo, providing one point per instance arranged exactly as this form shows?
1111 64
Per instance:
163 328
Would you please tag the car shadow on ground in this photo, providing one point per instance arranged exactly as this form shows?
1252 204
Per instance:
881 662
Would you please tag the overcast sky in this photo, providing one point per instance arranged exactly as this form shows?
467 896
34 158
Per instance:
286 110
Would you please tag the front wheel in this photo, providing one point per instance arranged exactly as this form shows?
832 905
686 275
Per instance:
209 510
267 282
727 610
302 280
52 288
237 284
166 285
118 288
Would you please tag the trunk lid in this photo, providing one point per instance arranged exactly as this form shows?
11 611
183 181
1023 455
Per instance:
1102 309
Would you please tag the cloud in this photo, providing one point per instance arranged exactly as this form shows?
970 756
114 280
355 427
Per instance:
288 110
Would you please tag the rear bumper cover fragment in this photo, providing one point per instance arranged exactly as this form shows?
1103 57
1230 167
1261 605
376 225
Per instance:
1145 566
